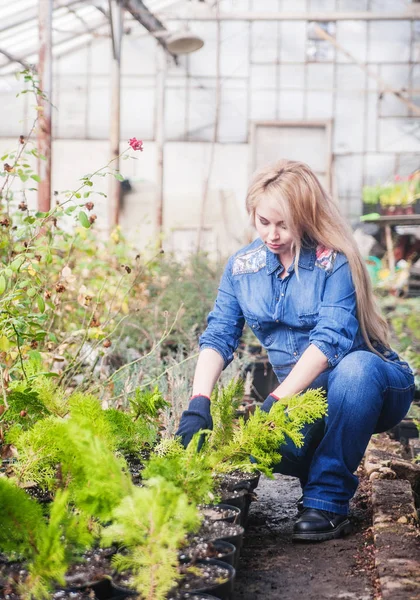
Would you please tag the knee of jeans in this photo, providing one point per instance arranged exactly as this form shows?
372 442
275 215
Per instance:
358 370
356 384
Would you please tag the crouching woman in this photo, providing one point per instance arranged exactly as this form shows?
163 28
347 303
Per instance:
303 289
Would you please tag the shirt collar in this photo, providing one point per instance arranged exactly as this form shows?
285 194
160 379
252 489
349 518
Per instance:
306 259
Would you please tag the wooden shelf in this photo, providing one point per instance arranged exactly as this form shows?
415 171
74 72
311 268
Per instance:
395 220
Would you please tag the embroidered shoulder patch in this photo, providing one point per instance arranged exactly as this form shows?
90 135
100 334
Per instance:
325 258
250 262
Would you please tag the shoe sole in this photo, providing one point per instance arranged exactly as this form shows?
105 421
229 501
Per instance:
343 529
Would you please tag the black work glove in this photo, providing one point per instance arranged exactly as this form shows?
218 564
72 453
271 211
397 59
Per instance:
194 419
268 403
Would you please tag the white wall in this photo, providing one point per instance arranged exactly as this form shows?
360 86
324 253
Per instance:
186 168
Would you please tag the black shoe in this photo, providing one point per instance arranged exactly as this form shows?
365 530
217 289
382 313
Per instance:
315 525
299 506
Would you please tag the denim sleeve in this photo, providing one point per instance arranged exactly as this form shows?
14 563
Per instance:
337 323
225 322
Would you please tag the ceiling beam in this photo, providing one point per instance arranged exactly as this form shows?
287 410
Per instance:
14 59
142 14
32 15
100 32
413 13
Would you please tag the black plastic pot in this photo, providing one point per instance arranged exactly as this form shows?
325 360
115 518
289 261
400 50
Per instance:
245 511
404 431
224 590
103 588
199 597
227 551
252 479
237 500
235 540
218 546
233 517
242 501
120 592
371 208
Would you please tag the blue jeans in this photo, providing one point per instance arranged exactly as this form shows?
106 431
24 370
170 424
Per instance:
366 395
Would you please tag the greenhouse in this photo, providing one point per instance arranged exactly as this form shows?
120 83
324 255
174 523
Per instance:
209 299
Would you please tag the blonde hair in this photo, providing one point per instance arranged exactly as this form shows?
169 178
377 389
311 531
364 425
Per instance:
311 215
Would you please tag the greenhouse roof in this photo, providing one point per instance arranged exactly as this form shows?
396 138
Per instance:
75 24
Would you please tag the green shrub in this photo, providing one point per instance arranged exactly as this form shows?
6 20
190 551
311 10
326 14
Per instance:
186 469
262 435
151 525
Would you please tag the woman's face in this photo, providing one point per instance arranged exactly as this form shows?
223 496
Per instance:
271 227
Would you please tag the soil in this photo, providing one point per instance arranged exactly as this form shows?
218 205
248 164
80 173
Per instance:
220 513
41 496
233 484
202 575
271 566
94 566
197 576
214 530
197 597
233 497
203 549
65 595
135 463
11 575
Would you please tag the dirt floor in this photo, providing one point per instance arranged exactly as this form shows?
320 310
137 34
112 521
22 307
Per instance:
273 568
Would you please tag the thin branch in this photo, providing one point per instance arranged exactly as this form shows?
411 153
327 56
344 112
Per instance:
159 343
169 369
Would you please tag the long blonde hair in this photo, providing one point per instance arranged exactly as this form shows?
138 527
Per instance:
310 213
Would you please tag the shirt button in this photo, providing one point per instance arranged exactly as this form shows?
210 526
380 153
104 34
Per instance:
294 353
282 294
277 320
253 327
335 355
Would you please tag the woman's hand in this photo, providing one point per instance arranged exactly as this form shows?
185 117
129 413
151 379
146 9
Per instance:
194 419
311 364
268 403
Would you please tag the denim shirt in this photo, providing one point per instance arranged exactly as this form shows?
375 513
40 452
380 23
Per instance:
317 306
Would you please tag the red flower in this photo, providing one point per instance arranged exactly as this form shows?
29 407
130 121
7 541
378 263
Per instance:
136 144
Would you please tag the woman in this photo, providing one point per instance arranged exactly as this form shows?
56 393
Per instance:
303 288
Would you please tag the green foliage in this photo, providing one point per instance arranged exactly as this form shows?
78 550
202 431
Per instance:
47 544
186 469
97 479
40 451
70 454
87 412
224 403
45 384
147 403
151 524
21 520
25 408
65 534
262 435
403 317
130 435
